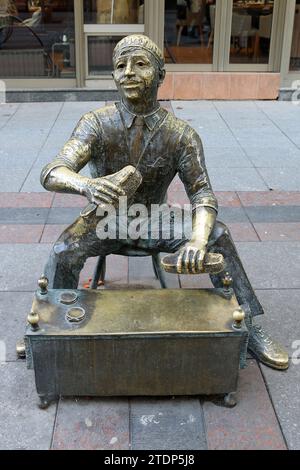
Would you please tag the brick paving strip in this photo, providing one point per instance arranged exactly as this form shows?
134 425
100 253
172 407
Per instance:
41 217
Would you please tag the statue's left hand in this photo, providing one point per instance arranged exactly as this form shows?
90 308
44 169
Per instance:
191 258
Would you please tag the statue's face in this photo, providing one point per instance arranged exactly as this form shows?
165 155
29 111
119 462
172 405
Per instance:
136 75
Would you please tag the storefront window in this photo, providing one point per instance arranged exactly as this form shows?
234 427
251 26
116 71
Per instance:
100 51
113 12
37 39
251 31
295 53
189 31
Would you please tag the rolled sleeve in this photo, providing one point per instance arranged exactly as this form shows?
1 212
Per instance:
76 153
193 173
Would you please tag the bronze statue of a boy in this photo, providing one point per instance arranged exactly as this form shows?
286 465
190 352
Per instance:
154 146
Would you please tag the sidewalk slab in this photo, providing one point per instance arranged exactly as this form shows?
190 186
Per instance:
281 319
11 180
26 200
271 265
20 233
21 215
23 425
284 388
241 179
22 266
286 231
92 424
251 425
273 214
14 307
270 198
281 178
167 424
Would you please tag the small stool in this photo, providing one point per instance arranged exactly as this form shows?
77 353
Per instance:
99 273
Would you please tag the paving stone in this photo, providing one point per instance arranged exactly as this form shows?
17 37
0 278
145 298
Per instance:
278 231
23 425
227 199
11 180
226 158
270 198
284 388
281 178
18 215
17 143
65 128
167 424
75 110
26 200
63 215
224 179
52 232
251 425
20 233
216 139
274 157
32 182
116 273
14 307
201 281
273 214
167 105
141 273
263 140
17 161
178 197
69 200
42 160
271 265
92 424
243 232
176 185
281 319
232 215
21 266
87 272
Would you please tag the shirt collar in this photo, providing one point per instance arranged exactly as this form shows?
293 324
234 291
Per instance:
151 120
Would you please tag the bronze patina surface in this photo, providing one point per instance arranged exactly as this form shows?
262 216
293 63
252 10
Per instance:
139 342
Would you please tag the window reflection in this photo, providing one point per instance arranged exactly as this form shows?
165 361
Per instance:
114 11
295 52
251 31
37 38
189 31
100 52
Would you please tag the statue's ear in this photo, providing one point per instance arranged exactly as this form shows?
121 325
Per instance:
162 75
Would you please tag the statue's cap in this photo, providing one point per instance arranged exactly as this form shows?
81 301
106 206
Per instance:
139 41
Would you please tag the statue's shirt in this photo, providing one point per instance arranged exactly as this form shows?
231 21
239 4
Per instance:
159 144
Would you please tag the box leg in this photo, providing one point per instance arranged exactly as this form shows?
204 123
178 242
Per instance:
46 400
230 400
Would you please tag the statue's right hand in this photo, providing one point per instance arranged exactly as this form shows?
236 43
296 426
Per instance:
102 191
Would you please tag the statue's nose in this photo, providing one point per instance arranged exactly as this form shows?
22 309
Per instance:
129 72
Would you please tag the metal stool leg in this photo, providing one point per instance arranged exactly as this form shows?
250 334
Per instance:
99 274
159 273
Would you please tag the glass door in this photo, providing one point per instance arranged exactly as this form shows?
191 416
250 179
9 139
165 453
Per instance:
105 23
295 50
252 41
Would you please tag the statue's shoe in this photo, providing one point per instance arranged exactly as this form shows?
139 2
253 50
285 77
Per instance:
266 350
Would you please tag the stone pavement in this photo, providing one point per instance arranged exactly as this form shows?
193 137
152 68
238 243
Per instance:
253 157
